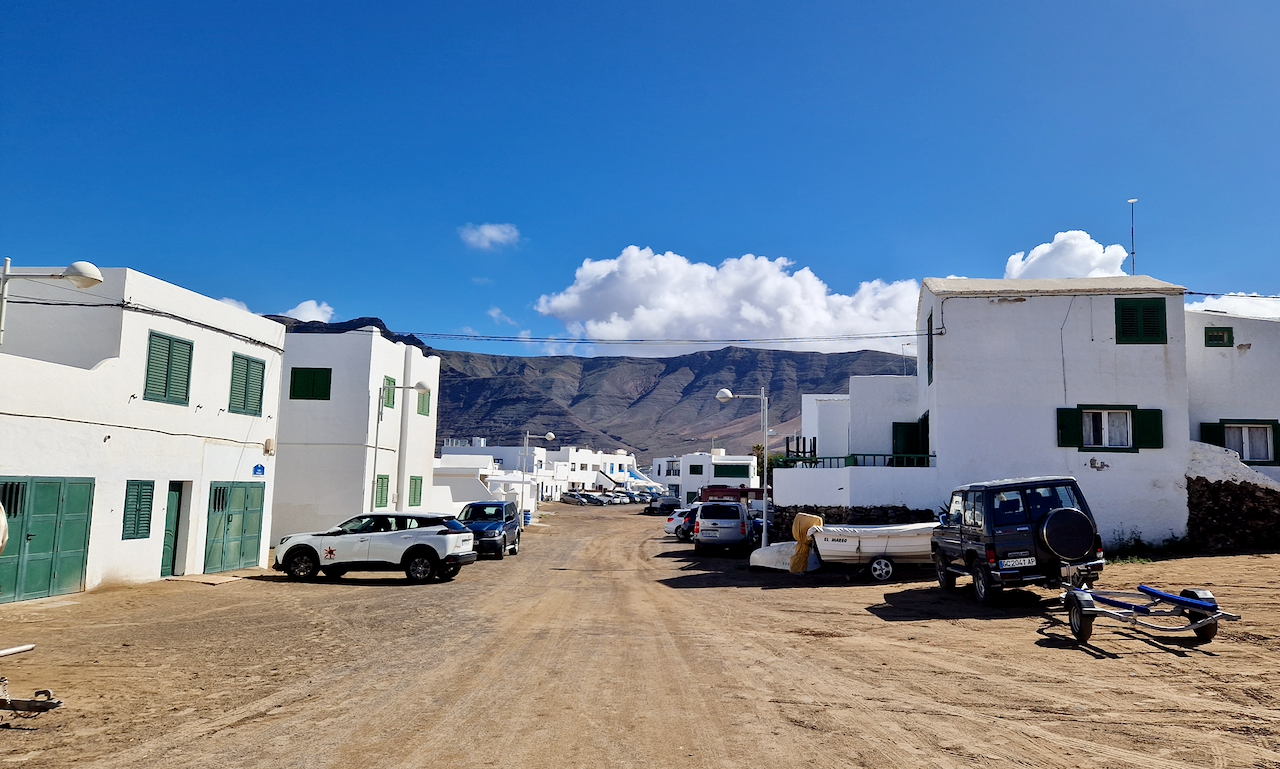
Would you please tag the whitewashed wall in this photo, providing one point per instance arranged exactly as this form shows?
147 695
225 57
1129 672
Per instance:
1237 382
78 411
914 487
826 417
875 403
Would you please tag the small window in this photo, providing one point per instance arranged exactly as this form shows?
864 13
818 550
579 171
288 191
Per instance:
956 512
388 392
1219 337
695 469
731 471
246 385
929 343
137 509
424 403
310 384
968 510
415 491
1106 429
1007 509
1141 321
382 491
1254 443
168 377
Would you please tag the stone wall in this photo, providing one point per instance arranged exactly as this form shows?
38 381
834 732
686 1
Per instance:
1225 517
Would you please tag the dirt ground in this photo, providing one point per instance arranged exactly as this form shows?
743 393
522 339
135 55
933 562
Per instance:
606 643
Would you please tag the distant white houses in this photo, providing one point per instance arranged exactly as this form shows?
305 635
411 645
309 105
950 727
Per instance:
137 432
547 473
686 475
1083 377
355 434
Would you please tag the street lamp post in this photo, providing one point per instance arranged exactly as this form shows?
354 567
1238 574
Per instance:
1133 249
724 396
420 387
79 274
550 436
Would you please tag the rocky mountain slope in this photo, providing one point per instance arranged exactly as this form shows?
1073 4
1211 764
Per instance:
651 406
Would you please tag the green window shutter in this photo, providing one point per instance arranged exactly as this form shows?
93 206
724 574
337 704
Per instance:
1148 429
310 384
731 471
382 491
389 392
415 491
1213 433
137 509
157 368
301 383
1223 336
1141 321
930 347
239 383
179 371
1070 428
257 376
424 403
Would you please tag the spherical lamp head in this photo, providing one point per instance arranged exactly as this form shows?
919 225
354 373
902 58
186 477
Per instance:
422 387
82 274
550 436
724 396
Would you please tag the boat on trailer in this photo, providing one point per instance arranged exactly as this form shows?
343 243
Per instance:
878 547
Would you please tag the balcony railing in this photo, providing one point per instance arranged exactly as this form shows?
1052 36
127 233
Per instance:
861 460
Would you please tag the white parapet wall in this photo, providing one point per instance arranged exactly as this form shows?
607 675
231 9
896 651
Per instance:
913 487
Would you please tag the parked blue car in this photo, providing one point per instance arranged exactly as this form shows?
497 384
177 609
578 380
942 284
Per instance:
496 526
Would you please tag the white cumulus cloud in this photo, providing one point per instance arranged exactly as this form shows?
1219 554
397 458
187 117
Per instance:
311 310
1248 305
499 316
643 295
1072 254
234 303
487 237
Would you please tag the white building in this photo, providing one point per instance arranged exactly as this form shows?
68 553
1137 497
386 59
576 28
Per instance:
1083 377
548 472
345 394
543 478
590 470
686 475
1233 364
137 422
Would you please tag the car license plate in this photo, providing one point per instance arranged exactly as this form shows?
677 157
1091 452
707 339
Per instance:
1017 563
710 533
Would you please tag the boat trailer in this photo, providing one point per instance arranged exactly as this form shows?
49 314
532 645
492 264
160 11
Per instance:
40 702
1197 609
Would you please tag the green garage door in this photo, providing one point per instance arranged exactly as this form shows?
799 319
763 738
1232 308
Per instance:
48 536
235 526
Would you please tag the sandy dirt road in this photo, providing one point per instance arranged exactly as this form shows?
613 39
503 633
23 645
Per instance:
605 643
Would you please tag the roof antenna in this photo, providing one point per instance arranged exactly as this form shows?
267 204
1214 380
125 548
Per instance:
1133 252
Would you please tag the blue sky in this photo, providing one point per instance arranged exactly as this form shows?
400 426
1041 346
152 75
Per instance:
280 152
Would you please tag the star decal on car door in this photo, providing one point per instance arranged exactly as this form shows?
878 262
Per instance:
330 554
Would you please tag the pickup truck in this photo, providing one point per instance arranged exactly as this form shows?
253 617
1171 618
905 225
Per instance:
1016 532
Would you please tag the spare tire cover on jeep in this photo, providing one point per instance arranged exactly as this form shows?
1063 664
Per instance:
1068 533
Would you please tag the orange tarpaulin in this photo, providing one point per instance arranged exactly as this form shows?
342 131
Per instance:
800 530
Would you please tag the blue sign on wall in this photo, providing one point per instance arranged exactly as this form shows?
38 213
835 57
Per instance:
259 470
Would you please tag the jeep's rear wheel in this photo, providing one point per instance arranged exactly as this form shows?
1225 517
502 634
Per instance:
984 589
946 579
1080 622
302 564
419 567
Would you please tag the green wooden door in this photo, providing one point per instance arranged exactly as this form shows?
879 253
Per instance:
48 536
169 551
13 496
235 526
72 549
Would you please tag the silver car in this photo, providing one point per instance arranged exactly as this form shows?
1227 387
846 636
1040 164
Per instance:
721 524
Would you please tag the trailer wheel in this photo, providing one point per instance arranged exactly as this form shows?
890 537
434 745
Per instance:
946 579
1080 622
880 568
1204 633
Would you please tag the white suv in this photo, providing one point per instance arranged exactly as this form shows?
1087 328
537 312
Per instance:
423 546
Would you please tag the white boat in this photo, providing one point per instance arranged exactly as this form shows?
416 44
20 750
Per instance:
877 546
779 557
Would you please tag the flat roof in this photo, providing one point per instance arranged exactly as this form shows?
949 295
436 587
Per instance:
1121 284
